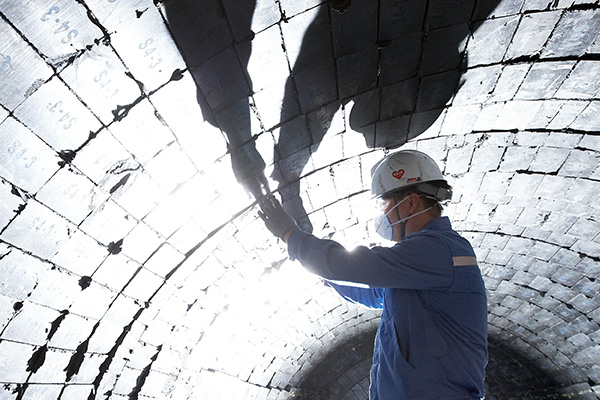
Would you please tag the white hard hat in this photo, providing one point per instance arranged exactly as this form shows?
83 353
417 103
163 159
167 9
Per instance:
406 168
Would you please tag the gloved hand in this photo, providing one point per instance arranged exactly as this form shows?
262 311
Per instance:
277 220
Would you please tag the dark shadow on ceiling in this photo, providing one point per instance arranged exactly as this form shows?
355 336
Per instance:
512 375
340 368
215 40
399 62
344 367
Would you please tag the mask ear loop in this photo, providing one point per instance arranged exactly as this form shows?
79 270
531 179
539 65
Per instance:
403 228
403 221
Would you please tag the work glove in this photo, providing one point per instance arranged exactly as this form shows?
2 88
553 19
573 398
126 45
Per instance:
277 220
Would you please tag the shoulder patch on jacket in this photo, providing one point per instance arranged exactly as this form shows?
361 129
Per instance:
464 261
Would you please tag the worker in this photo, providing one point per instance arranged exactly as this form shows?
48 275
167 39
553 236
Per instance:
431 342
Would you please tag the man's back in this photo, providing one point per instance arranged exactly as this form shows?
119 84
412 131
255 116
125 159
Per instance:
432 342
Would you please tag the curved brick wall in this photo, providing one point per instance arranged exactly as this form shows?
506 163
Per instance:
133 137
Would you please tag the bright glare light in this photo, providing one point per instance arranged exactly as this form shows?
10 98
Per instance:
259 304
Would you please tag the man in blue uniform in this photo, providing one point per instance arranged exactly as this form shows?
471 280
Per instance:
432 339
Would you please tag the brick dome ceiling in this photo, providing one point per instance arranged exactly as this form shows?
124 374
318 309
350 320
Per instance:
136 135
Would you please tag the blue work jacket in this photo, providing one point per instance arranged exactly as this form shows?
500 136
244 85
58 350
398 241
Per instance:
432 339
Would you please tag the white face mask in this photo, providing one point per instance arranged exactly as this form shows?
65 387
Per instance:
384 227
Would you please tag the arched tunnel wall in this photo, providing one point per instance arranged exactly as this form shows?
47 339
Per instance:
134 137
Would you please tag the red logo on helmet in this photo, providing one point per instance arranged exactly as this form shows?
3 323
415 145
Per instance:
398 174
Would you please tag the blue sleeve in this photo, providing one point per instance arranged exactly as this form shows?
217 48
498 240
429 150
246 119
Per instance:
420 261
368 297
